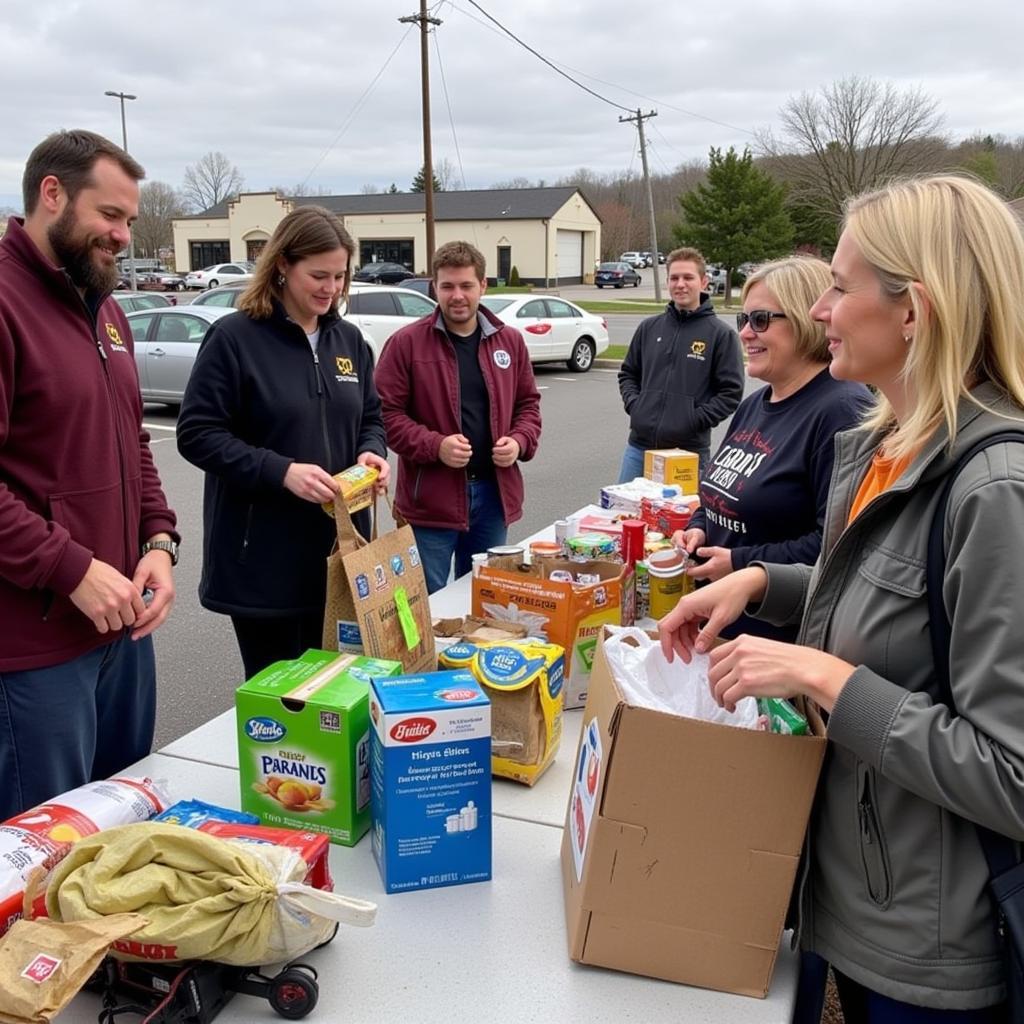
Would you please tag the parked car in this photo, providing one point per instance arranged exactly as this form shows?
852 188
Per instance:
166 343
634 259
423 285
554 329
219 273
616 275
716 280
378 310
382 273
132 301
162 281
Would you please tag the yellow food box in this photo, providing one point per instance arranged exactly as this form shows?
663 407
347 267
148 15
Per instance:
669 466
523 679
356 488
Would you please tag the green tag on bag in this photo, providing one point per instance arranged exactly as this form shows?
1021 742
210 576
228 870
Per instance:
405 617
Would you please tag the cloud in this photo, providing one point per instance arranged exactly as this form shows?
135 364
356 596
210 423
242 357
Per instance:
279 89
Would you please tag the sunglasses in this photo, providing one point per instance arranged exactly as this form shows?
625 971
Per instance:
759 320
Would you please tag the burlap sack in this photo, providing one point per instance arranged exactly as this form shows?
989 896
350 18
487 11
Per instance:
371 587
205 898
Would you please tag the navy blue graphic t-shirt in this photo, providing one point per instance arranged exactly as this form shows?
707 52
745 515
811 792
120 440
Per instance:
763 493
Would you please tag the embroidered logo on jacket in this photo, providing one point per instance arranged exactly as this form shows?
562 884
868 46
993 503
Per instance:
502 359
116 341
346 371
697 350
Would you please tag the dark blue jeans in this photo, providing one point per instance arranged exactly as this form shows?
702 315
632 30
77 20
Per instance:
486 529
72 723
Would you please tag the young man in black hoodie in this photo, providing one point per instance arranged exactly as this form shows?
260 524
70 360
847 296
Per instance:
683 373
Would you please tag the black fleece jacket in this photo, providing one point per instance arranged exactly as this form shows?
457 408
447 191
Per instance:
682 375
257 401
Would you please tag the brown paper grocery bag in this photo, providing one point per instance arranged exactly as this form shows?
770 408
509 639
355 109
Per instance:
377 601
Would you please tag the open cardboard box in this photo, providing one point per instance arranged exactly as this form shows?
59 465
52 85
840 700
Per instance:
682 841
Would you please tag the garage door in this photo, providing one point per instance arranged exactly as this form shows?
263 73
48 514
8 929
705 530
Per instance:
570 255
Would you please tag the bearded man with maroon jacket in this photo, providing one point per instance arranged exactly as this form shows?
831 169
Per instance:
461 410
84 525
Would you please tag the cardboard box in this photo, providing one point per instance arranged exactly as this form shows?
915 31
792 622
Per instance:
673 466
304 743
571 615
431 770
682 841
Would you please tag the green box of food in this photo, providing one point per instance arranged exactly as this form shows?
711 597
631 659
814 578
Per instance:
304 743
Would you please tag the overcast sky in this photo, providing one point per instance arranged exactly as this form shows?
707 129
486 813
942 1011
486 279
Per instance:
287 93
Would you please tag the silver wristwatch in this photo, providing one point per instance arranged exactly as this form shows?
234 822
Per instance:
169 546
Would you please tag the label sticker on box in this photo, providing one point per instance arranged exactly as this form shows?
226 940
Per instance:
584 793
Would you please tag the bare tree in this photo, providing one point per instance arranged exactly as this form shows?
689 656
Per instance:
851 136
159 204
303 190
370 190
210 179
448 175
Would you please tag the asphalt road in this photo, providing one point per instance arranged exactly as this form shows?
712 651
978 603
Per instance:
197 660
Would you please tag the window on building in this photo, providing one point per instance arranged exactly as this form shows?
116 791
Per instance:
254 248
206 254
386 250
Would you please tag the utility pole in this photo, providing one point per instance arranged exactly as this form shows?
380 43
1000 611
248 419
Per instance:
122 96
425 21
640 118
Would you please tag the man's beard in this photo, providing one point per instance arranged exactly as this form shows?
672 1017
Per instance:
74 254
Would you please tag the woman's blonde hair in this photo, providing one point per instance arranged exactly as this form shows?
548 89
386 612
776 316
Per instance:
306 231
797 283
961 242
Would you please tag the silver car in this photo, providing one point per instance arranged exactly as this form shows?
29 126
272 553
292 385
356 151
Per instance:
166 343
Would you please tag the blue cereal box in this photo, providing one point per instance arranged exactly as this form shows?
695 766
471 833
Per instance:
430 768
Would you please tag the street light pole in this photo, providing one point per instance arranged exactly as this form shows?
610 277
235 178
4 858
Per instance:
122 96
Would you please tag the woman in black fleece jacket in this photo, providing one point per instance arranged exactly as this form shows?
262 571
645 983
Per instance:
281 397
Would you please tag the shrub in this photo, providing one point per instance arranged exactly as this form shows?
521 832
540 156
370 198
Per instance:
513 278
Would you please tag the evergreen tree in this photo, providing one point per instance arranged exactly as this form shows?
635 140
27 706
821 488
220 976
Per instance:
394 189
419 182
738 215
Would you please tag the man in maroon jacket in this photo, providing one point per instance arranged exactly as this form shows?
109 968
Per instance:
86 536
461 409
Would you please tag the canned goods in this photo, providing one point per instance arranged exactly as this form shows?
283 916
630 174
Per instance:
633 540
561 532
544 549
505 556
591 545
668 580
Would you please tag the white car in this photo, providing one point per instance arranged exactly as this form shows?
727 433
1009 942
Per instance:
636 260
219 273
554 330
378 310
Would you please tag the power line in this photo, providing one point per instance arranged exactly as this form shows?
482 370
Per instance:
448 103
550 64
356 107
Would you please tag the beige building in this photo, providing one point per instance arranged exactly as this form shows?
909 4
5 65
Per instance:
550 235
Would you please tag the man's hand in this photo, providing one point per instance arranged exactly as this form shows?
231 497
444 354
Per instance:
689 540
456 451
154 572
505 451
110 600
311 483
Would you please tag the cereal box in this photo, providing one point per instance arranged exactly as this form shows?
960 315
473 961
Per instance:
431 771
303 743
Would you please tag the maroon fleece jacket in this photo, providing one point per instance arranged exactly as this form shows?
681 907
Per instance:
418 381
77 479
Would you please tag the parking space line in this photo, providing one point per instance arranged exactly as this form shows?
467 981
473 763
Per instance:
159 426
571 380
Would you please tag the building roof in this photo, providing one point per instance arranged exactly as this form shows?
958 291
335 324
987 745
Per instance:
468 204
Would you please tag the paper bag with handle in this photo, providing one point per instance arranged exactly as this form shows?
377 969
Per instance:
377 600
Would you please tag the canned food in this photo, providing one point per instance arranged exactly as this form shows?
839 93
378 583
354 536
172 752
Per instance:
591 545
544 549
668 580
505 556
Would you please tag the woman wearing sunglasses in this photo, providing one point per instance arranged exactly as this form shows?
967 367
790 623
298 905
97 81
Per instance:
763 494
926 305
